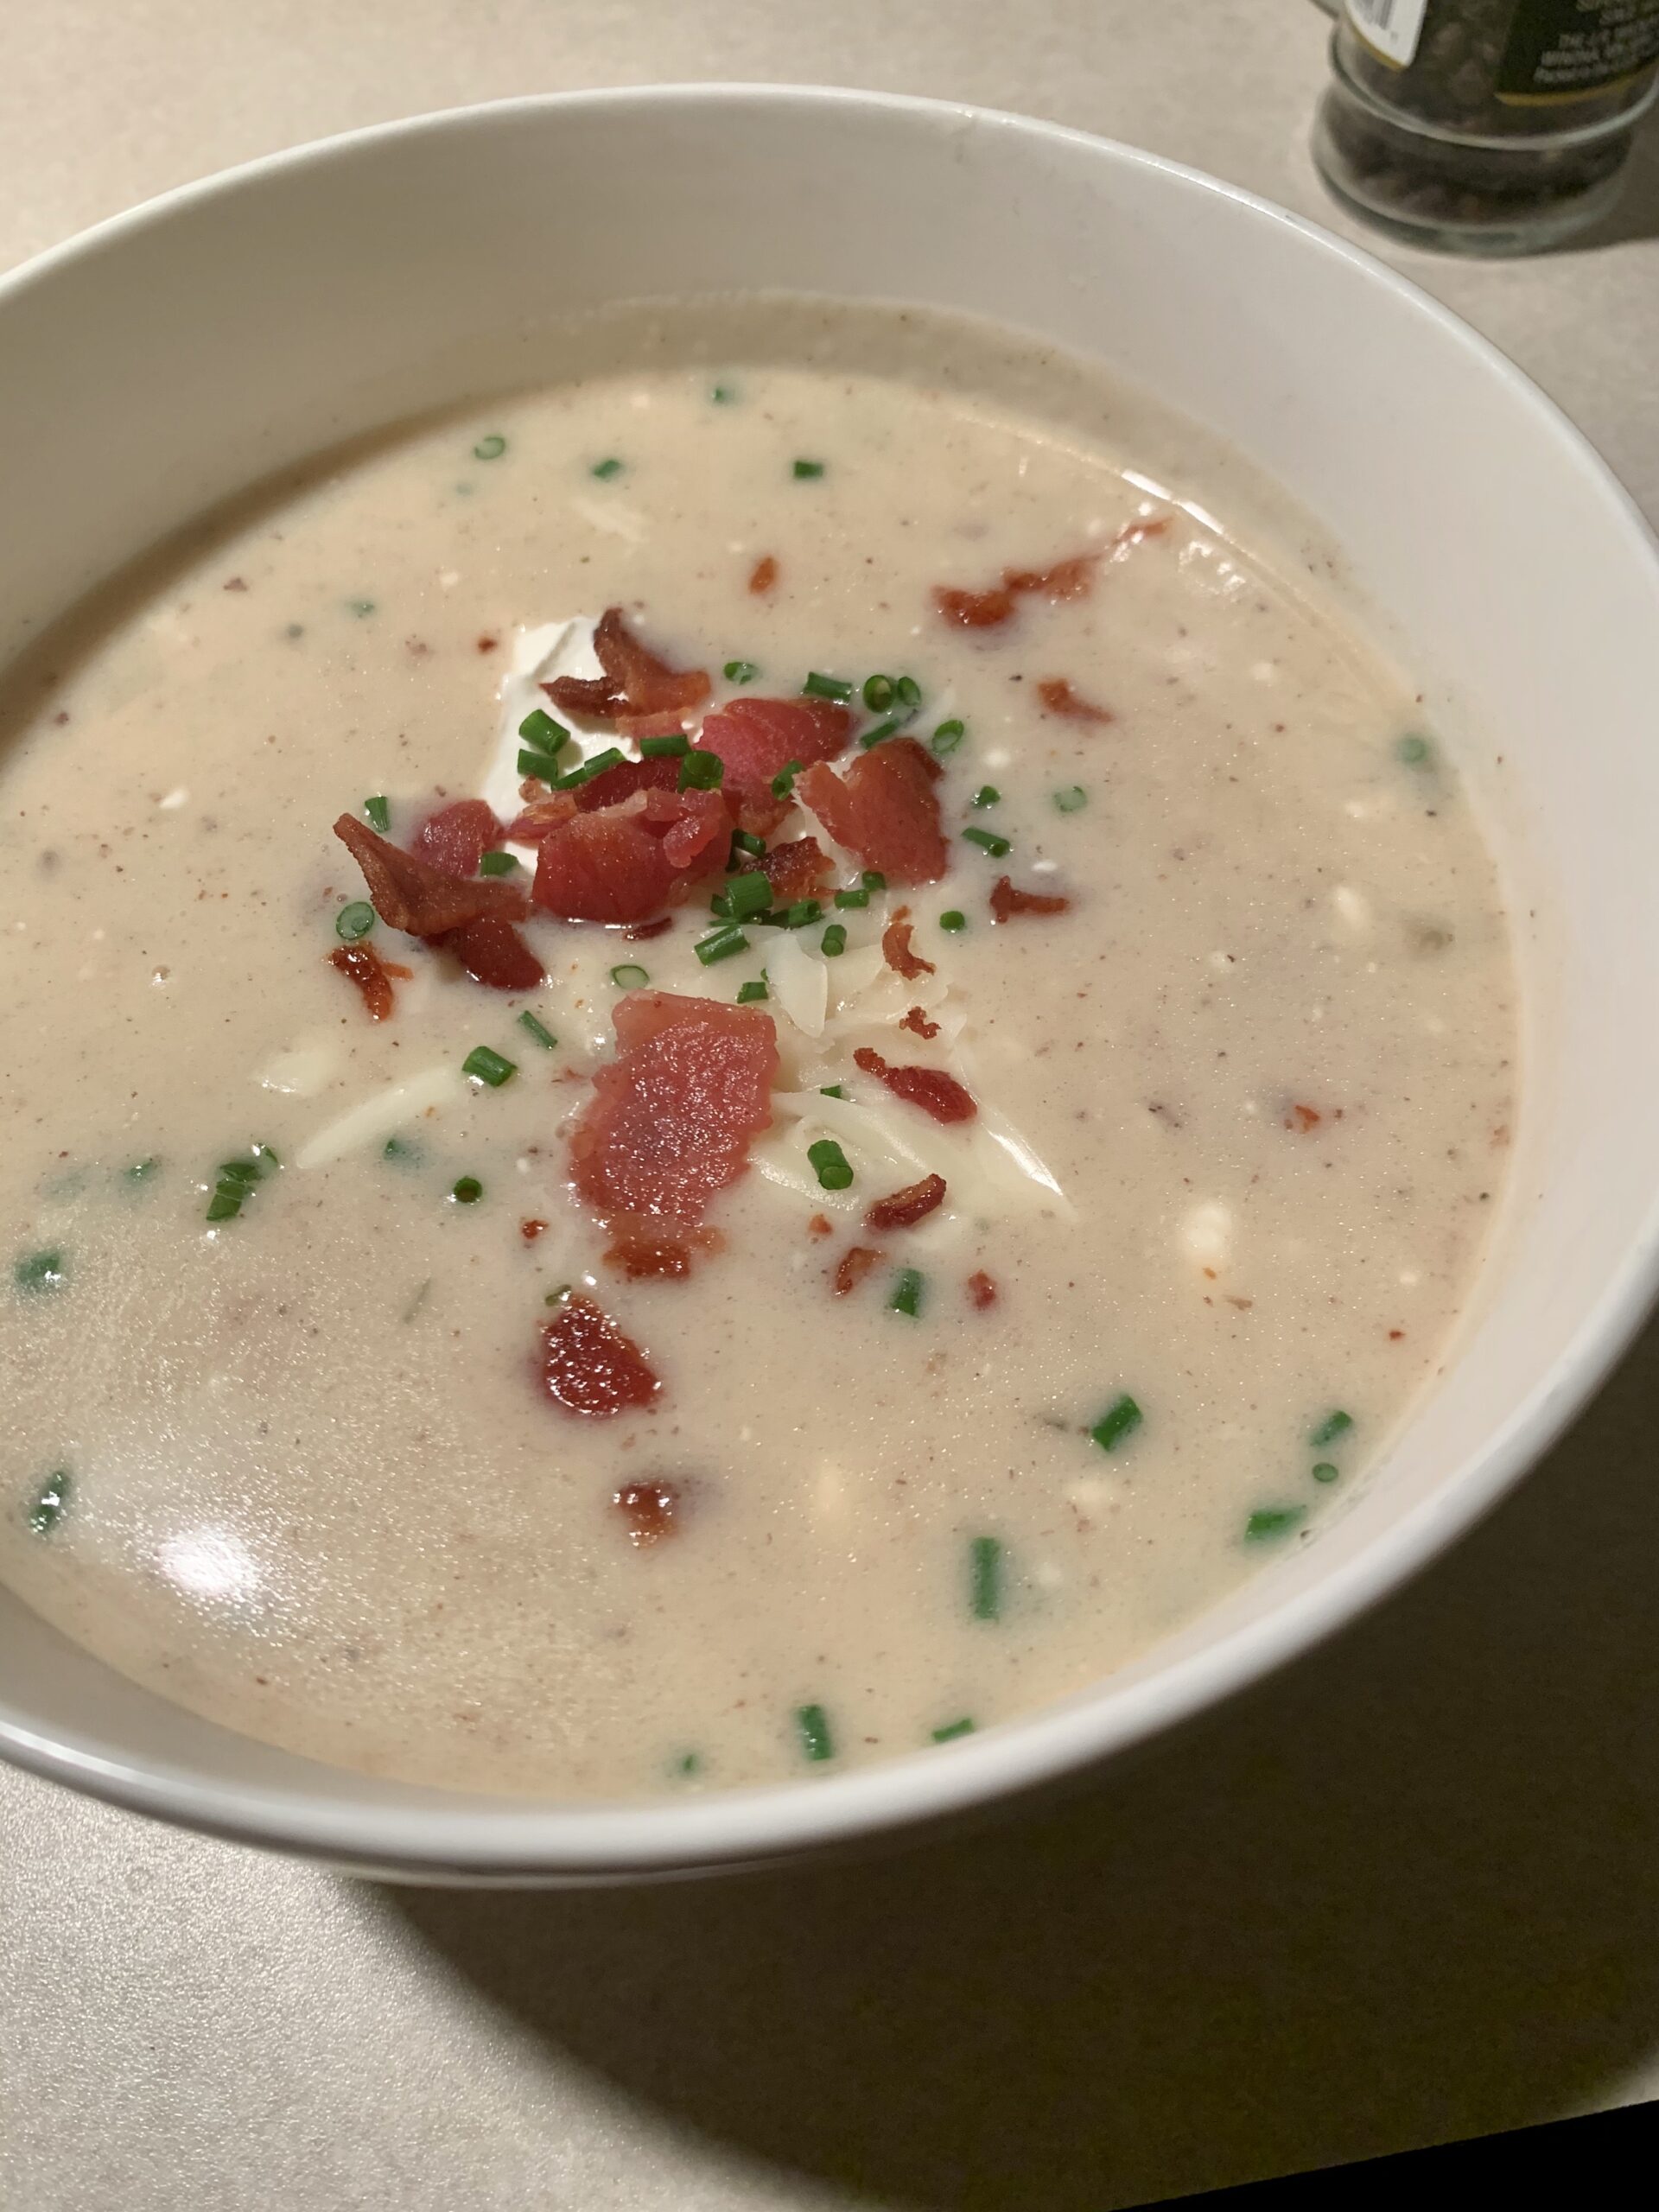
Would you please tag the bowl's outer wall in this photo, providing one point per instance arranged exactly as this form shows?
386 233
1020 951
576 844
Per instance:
179 353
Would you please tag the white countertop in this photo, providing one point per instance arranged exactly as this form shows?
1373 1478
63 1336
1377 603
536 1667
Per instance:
1408 1891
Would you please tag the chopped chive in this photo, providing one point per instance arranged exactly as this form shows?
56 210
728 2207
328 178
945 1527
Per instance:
832 1090
543 1036
51 1502
629 975
908 692
752 994
664 748
612 757
986 795
360 607
988 841
953 919
1070 798
952 1729
808 468
819 686
783 782
377 812
701 772
1333 1426
141 1171
847 899
744 840
985 1577
497 863
400 1149
877 693
830 1165
1324 1471
540 764
947 736
811 1720
354 921
803 914
720 944
872 879
833 943
606 470
888 728
907 1293
491 447
39 1271
237 1178
740 671
485 1064
538 728
1413 750
1273 1520
468 1191
1121 1419
723 395
748 894
686 1762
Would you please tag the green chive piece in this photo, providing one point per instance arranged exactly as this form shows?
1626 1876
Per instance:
833 943
811 1720
664 748
39 1271
141 1171
543 1036
720 944
354 921
1121 1419
543 765
1271 1521
985 1577
744 840
1070 798
491 447
907 1293
783 782
877 693
629 975
947 736
701 772
752 994
849 898
952 1729
399 1149
986 795
468 1191
51 1502
612 757
360 607
888 728
819 686
803 914
908 692
688 1763
953 919
1333 1426
988 841
830 1165
497 863
740 671
559 1296
538 728
748 894
486 1066
832 1090
804 469
1413 750
872 879
1324 1471
237 1178
606 470
377 812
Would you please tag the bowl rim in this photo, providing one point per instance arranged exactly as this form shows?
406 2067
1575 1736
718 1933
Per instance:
506 1840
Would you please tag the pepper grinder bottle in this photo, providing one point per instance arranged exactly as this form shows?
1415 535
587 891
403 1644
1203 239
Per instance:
1485 126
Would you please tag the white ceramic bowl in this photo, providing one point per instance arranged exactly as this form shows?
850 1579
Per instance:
174 354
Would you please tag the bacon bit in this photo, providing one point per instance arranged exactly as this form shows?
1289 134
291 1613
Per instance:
589 1366
488 644
895 948
235 583
635 680
644 1252
931 1089
668 725
758 738
362 965
1059 697
797 870
622 782
918 1022
1303 1118
530 1230
544 814
410 894
1071 578
820 1225
626 863
637 933
884 810
1005 901
975 610
854 1265
981 1289
457 836
494 954
763 575
904 1208
648 1509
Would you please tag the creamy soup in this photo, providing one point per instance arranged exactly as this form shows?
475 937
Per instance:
851 1297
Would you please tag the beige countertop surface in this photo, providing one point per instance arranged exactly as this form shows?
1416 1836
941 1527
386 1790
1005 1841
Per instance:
1406 1892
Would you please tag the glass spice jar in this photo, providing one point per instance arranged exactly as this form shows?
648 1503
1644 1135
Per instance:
1485 126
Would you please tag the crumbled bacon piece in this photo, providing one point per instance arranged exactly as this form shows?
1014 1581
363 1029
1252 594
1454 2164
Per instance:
492 953
362 965
981 1289
904 1208
851 1268
918 1023
1007 901
1070 578
530 1230
797 870
626 863
589 1366
764 574
457 836
542 816
645 1254
1073 578
1058 698
757 739
975 610
896 948
1303 1118
820 1225
649 1509
412 895
884 808
668 725
615 784
635 680
931 1089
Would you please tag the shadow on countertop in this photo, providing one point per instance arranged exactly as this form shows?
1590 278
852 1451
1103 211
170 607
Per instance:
1408 1891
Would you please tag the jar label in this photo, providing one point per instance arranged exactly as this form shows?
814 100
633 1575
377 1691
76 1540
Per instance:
1390 28
1571 49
